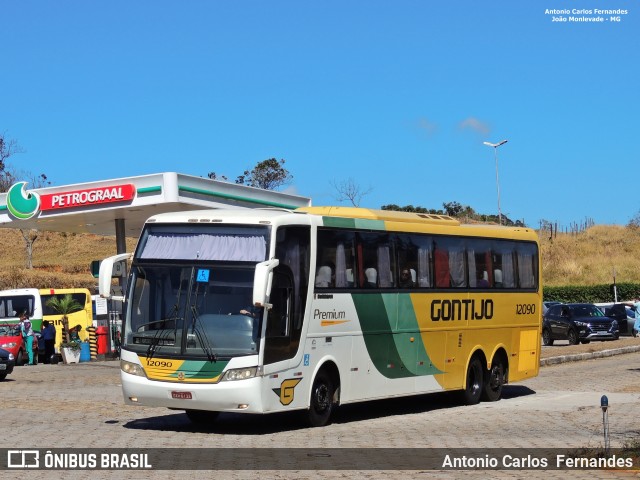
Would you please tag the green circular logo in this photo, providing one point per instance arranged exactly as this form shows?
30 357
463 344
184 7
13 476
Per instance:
22 204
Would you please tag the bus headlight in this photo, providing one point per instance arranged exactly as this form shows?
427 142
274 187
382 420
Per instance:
239 374
132 368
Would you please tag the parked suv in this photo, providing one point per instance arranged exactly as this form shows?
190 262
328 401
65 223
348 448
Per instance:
577 322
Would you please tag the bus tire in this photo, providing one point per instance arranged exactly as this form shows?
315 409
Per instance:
202 417
321 402
475 382
494 379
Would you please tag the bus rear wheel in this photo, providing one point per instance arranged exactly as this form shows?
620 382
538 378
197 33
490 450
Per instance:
321 404
475 382
494 380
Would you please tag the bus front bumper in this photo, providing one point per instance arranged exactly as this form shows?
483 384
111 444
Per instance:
227 396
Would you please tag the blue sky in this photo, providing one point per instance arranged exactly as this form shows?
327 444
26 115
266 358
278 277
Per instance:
398 96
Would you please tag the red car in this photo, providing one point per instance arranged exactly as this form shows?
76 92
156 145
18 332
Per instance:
12 341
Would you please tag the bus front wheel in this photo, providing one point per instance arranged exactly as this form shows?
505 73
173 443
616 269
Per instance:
475 382
321 404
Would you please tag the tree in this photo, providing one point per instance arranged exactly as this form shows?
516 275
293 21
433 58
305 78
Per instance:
453 209
214 176
411 209
351 191
8 147
30 236
634 223
268 174
64 305
8 175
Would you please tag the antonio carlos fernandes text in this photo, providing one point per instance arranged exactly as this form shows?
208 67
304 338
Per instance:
530 461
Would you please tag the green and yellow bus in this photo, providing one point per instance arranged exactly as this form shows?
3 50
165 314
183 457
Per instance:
267 310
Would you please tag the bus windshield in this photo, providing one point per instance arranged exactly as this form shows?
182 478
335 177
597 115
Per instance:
191 292
196 311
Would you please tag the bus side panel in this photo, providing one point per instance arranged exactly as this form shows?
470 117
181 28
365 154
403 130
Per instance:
528 364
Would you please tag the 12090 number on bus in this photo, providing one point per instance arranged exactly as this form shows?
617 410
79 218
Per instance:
525 308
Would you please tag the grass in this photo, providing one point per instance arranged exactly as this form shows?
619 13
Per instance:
63 260
60 260
592 256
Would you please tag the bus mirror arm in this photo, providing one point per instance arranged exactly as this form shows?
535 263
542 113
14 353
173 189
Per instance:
262 282
106 274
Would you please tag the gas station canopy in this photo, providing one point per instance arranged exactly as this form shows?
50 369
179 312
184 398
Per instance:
121 206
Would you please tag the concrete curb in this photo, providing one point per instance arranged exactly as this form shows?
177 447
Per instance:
588 356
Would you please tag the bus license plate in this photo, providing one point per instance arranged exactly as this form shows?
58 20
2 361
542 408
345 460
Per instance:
181 395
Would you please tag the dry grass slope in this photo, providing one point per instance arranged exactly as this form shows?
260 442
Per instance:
590 257
62 260
59 260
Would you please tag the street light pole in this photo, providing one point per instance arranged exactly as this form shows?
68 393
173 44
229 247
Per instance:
495 151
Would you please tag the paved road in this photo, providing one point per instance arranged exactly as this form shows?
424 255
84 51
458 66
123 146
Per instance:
60 406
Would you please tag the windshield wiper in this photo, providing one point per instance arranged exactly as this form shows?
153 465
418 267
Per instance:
158 336
162 332
201 335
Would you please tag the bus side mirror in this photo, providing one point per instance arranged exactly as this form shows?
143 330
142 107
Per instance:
110 267
262 282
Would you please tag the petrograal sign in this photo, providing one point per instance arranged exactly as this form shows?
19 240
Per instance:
23 204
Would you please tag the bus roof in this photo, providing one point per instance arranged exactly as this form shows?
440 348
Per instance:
351 217
385 215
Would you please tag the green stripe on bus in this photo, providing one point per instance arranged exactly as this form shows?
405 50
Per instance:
370 224
341 222
338 222
198 369
396 353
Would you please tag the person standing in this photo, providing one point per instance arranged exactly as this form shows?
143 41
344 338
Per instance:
74 335
27 335
49 337
635 306
636 325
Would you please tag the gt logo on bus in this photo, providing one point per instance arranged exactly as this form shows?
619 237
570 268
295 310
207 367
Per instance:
467 309
286 390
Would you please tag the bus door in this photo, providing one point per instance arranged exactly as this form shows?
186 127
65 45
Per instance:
284 320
